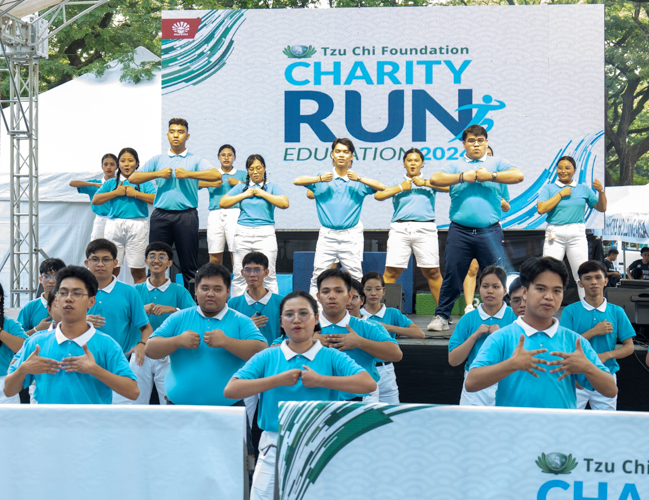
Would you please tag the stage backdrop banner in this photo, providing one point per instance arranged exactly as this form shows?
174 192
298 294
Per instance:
386 452
100 452
285 83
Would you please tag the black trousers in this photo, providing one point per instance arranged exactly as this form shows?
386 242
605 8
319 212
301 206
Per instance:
179 227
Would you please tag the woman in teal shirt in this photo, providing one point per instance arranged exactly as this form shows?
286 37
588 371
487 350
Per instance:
12 337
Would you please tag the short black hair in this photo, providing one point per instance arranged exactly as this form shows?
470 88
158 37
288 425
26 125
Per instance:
101 244
80 273
372 275
476 130
531 268
569 159
299 294
179 121
413 151
591 266
612 251
643 250
160 246
213 269
498 271
227 146
51 265
336 273
356 285
255 258
516 285
344 142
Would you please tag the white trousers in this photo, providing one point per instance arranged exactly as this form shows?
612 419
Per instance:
570 240
388 388
263 480
152 370
221 226
344 246
131 237
597 401
254 239
485 397
4 400
98 227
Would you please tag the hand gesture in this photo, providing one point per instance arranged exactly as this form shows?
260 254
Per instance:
504 205
249 193
255 191
44 324
483 175
181 173
120 189
259 320
96 320
37 365
470 176
324 340
189 339
524 360
233 181
310 378
80 364
131 192
215 338
345 341
165 173
328 177
565 192
598 186
138 350
603 327
483 330
353 176
406 185
288 378
159 309
419 181
572 363
148 308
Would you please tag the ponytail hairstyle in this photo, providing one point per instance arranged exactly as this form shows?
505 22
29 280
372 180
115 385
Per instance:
413 150
119 172
109 155
251 159
312 303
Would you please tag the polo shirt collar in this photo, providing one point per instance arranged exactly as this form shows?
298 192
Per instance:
588 307
562 185
172 154
324 322
231 172
219 316
43 300
529 331
474 160
255 185
499 315
380 313
310 354
343 177
264 300
109 288
162 288
81 340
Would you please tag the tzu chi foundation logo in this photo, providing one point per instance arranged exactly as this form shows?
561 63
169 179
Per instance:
173 29
556 463
299 51
181 28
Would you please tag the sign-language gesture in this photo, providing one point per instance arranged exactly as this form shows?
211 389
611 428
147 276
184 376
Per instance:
215 338
310 378
189 339
80 364
572 363
37 365
345 341
524 360
289 377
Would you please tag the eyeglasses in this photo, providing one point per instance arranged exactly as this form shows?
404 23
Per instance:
75 294
97 260
161 258
48 277
302 315
252 270
515 301
256 169
376 289
479 141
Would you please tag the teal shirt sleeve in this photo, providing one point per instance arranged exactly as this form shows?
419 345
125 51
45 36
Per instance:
254 368
400 319
238 189
169 328
504 192
592 356
13 327
21 356
276 190
150 166
148 188
544 193
374 333
23 319
185 300
249 331
460 334
116 361
89 190
344 366
568 319
592 198
107 186
624 328
139 317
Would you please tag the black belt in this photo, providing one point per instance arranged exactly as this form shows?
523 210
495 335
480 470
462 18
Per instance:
357 398
431 220
384 363
478 229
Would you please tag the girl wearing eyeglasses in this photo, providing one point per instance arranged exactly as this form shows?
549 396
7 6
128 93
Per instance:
299 370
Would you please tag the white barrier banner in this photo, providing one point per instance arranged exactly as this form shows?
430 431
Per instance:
284 83
359 451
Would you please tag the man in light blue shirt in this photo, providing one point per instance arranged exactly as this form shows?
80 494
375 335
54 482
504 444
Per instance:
474 232
206 344
177 173
339 199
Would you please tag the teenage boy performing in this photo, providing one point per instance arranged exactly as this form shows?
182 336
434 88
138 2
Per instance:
206 344
603 325
75 364
475 213
257 302
161 299
514 356
33 317
175 218
339 199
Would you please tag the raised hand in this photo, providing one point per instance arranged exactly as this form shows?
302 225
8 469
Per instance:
603 327
571 363
44 324
524 360
345 341
353 176
37 365
406 185
259 320
96 320
419 181
189 339
80 364
310 378
598 185
324 340
328 177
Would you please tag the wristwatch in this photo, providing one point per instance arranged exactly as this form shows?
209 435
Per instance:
494 176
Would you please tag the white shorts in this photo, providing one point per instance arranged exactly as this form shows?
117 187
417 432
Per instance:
485 397
4 400
98 227
152 371
221 226
254 239
263 480
412 236
131 237
597 401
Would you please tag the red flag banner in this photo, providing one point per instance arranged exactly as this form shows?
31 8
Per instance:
180 28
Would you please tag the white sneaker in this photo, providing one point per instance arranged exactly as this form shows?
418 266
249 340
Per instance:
469 308
438 324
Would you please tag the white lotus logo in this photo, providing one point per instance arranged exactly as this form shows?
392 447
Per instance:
180 28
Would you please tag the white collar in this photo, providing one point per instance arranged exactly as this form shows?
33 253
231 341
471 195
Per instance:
499 315
562 185
43 300
380 313
81 340
109 288
219 316
343 177
529 331
255 185
162 288
310 354
264 300
588 307
231 172
324 322
473 160
172 154
405 176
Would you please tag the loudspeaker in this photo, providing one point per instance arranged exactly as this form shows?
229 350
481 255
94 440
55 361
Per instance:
394 296
634 301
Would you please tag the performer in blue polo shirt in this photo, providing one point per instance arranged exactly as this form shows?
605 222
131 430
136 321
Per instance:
177 173
603 325
34 317
339 199
565 202
515 357
12 337
299 370
74 364
474 232
90 187
128 218
257 199
206 344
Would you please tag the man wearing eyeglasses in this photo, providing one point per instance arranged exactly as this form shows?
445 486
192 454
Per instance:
34 317
475 231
